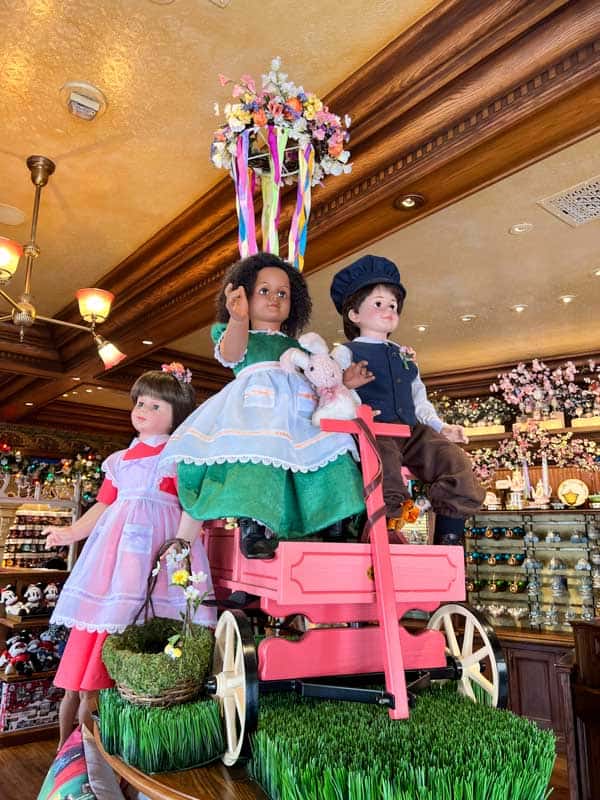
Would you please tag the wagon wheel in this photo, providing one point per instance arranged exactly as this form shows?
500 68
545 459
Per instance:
472 643
236 683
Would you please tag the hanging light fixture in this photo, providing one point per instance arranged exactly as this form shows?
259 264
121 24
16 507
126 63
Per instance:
94 304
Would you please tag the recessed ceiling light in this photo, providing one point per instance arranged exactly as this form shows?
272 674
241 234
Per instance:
596 272
89 391
75 392
99 388
147 341
520 227
66 394
468 317
9 215
567 298
408 202
76 379
28 404
422 328
519 307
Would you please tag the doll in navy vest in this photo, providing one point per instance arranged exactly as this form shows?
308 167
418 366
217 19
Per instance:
369 295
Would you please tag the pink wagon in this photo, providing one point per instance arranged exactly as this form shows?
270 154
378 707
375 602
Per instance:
355 596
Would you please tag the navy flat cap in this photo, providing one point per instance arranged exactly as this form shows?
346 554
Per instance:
367 271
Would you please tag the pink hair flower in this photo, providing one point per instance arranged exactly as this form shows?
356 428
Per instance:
178 371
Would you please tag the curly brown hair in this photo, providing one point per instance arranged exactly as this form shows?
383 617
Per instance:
353 303
244 272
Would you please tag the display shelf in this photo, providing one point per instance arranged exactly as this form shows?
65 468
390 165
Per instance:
41 571
26 735
556 593
26 622
15 678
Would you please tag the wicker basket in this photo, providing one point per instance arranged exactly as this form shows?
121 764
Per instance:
183 690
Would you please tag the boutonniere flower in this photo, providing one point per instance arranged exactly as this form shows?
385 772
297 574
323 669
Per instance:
407 354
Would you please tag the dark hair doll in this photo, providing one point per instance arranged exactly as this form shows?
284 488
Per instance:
178 392
244 272
353 303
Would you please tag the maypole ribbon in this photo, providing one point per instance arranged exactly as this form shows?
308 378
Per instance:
271 187
244 180
299 224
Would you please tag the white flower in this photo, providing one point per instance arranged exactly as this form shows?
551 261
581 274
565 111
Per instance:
344 156
198 577
276 63
347 120
156 569
191 593
216 109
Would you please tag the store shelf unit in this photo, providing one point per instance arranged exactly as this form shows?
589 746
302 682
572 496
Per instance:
535 569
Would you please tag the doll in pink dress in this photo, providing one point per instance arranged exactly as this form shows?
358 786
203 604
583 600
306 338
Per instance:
136 512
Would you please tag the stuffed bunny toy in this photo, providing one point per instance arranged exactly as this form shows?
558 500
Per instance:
325 371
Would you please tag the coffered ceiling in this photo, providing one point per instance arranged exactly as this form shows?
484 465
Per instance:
484 107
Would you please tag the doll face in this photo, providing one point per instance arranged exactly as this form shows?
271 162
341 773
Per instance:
269 303
377 315
151 416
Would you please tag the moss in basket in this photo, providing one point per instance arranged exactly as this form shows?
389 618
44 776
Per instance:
136 657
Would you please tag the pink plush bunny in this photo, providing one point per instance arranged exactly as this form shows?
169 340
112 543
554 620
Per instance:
324 371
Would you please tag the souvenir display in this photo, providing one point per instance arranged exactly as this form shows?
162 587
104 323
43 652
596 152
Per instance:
573 492
551 568
25 546
28 704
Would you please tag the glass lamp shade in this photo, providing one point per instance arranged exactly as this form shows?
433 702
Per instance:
110 355
94 304
10 254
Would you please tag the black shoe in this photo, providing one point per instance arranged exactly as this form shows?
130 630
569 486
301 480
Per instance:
449 530
333 533
449 539
253 542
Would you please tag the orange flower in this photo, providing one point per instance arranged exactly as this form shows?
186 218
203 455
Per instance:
259 117
294 104
335 149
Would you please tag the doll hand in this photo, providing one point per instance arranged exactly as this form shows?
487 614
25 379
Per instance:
236 302
58 535
357 375
455 433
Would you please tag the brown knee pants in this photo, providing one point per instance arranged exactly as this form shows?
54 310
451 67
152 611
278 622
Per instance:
435 460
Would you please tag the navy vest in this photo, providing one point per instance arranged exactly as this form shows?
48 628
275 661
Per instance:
391 391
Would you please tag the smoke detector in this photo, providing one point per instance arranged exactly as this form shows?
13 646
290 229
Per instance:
83 100
576 206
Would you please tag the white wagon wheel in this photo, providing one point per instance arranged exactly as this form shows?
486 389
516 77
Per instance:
472 643
235 675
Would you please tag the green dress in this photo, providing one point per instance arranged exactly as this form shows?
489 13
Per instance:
252 451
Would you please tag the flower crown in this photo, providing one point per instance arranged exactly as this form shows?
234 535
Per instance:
254 144
178 371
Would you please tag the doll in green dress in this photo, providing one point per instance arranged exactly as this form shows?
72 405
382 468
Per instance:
251 451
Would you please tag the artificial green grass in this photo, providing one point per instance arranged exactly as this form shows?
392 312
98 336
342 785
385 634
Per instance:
449 749
160 739
135 658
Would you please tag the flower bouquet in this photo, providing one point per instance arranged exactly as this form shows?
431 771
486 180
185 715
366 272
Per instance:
163 661
274 135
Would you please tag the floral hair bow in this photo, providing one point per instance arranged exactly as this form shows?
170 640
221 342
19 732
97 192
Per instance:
178 371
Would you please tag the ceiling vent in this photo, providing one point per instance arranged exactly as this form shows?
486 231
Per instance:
577 205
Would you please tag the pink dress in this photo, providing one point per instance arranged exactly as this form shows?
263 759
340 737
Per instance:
108 583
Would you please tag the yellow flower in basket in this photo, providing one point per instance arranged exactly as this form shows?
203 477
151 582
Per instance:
180 577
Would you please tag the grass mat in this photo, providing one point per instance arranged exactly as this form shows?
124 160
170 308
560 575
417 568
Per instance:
449 749
160 739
